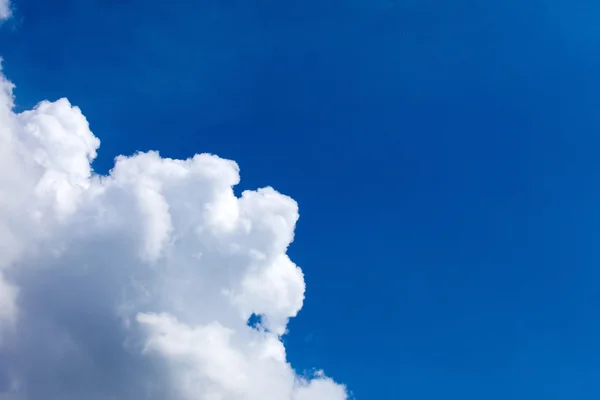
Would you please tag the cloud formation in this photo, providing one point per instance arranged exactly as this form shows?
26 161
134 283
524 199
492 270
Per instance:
139 284
5 10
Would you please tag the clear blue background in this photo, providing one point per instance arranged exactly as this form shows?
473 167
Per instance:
444 155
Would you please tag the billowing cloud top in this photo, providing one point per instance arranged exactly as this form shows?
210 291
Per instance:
139 284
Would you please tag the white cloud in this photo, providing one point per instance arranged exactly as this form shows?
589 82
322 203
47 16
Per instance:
138 285
5 10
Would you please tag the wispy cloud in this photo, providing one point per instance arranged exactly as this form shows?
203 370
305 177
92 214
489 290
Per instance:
5 10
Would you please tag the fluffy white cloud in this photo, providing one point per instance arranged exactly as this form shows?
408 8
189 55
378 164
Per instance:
139 284
5 10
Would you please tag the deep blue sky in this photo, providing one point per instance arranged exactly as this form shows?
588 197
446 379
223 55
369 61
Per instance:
444 155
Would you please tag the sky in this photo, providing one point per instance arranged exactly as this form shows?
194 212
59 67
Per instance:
442 158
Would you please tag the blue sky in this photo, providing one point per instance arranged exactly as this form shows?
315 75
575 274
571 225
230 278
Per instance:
444 156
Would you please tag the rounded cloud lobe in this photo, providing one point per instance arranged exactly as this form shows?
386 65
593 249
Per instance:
139 284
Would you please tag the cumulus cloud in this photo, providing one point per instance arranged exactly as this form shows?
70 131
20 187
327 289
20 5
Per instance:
5 10
139 284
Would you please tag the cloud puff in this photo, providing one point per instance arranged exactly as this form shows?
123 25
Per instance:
5 10
139 284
